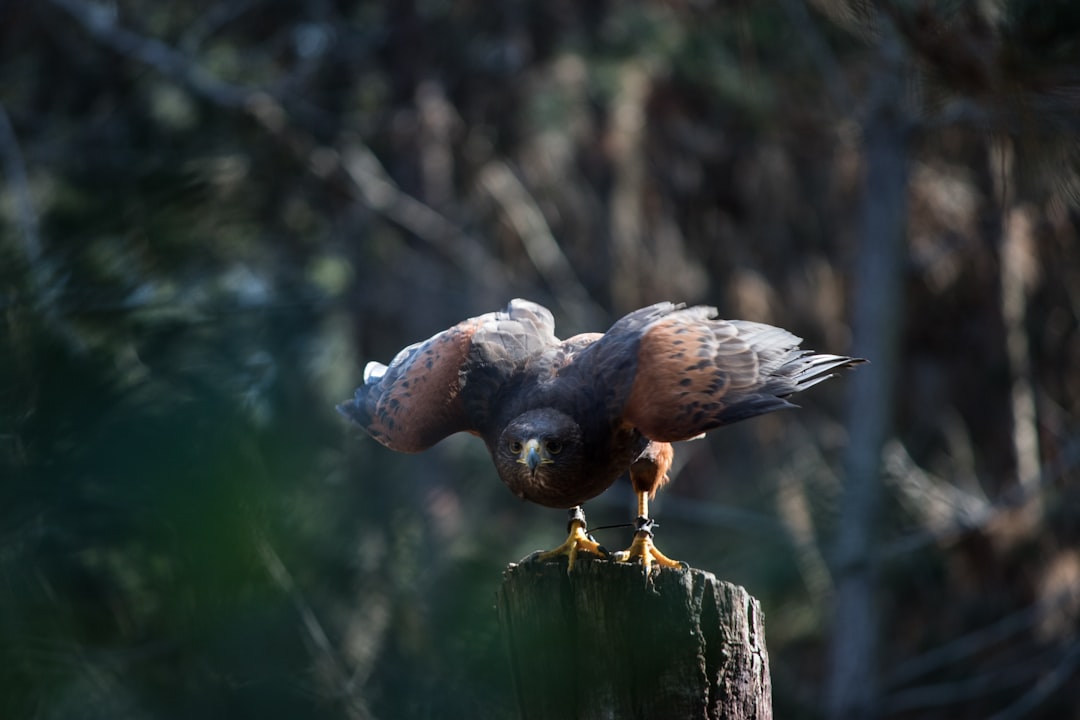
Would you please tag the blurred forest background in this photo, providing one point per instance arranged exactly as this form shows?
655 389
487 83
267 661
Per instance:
213 213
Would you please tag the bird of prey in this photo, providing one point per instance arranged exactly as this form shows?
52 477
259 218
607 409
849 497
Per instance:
564 419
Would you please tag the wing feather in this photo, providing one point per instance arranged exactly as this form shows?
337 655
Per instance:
444 385
694 372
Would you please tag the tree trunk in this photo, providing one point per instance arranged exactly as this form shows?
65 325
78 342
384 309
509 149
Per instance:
851 687
601 642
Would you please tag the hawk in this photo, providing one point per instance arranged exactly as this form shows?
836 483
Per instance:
563 419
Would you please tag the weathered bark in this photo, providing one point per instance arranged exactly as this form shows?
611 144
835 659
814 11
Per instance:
601 642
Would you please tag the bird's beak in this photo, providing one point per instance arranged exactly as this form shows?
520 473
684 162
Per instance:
533 456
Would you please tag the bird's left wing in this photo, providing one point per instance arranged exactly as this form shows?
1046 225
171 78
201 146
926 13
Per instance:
674 373
443 385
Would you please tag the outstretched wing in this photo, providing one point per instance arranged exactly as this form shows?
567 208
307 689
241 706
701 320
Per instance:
689 372
427 392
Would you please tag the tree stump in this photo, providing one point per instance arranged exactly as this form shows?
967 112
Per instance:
602 642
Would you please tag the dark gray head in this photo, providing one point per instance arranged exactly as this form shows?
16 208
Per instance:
539 456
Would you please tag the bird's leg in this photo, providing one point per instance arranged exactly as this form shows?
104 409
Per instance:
648 473
578 541
642 548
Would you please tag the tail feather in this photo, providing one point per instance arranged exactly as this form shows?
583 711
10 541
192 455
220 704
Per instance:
808 369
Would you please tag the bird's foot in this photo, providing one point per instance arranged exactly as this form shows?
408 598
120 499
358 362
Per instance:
578 541
645 551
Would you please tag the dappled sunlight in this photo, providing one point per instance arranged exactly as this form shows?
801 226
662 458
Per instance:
215 214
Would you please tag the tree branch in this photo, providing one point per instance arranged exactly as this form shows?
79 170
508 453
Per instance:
974 687
45 285
1044 688
966 646
370 181
540 245
355 706
100 22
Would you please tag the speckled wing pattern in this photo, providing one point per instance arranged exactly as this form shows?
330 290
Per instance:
444 385
694 372
670 372
563 420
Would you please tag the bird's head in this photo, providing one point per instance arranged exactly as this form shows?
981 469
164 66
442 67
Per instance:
538 455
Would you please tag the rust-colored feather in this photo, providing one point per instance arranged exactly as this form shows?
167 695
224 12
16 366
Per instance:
611 402
445 384
415 401
696 372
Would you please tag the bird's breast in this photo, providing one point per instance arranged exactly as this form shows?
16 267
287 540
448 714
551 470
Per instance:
565 489
568 483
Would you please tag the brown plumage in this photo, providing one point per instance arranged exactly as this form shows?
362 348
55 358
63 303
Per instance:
564 419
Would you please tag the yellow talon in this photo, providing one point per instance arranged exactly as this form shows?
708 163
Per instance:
577 542
643 550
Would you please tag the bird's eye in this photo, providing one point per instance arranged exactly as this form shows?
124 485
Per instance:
515 446
554 446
